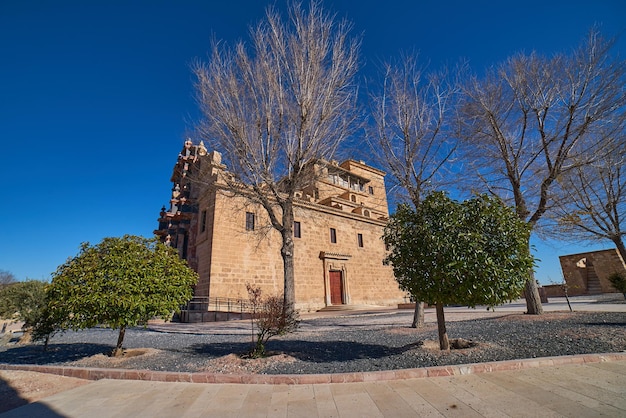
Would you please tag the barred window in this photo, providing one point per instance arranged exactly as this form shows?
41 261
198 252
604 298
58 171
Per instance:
249 221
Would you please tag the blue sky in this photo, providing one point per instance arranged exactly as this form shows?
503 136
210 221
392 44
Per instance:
96 98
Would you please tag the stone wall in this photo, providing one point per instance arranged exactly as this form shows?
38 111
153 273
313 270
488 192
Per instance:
587 273
229 256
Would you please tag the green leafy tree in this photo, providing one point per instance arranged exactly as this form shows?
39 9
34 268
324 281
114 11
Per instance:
471 253
23 301
119 283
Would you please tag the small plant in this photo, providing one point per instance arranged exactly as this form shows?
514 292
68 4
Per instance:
271 317
565 288
618 280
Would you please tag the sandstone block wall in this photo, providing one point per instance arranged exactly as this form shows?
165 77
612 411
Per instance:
580 270
233 256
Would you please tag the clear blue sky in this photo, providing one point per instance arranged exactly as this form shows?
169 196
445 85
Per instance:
96 97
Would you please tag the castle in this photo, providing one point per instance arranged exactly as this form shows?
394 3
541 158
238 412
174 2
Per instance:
339 219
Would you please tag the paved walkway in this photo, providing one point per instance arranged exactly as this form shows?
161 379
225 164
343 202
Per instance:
580 386
579 390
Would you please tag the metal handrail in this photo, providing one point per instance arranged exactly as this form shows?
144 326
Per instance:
204 303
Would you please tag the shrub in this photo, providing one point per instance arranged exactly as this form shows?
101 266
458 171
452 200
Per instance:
618 280
119 283
271 317
23 301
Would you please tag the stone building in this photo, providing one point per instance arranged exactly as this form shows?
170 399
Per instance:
338 223
587 273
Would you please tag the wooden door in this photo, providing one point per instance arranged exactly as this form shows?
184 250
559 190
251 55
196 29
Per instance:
336 287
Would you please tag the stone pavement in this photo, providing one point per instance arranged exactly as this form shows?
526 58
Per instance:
582 390
585 385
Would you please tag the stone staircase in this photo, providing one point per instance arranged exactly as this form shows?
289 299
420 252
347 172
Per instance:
593 282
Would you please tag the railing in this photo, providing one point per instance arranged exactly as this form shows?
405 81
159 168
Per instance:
206 309
203 303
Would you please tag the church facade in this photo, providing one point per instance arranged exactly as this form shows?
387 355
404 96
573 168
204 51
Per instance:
338 223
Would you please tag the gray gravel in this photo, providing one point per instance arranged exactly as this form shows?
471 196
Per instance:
346 344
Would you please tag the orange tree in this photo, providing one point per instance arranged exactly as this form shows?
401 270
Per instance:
458 253
118 283
23 301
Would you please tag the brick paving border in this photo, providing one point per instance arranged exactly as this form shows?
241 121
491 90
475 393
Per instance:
301 379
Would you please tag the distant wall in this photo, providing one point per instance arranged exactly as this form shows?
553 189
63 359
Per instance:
554 290
587 273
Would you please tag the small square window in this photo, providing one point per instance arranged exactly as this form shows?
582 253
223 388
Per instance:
360 239
333 236
370 189
249 221
296 229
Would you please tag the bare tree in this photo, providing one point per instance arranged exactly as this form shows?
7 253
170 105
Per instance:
411 115
6 278
533 119
278 104
593 206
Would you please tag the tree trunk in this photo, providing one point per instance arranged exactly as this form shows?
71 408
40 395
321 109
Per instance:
533 301
444 344
418 315
120 339
531 293
621 249
286 251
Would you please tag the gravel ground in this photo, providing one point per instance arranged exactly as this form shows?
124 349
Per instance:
351 343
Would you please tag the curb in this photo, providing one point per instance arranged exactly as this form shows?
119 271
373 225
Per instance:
302 379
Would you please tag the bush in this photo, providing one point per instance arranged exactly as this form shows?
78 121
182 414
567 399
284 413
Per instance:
618 280
119 283
271 317
23 301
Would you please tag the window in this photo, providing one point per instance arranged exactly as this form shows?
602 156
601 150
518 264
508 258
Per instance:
356 184
353 198
203 221
359 238
296 229
333 236
249 221
370 189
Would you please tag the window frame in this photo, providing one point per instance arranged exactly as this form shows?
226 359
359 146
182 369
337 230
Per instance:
297 229
333 236
250 221
203 221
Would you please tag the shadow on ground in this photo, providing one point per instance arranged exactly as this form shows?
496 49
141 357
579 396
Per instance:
56 353
311 351
11 399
